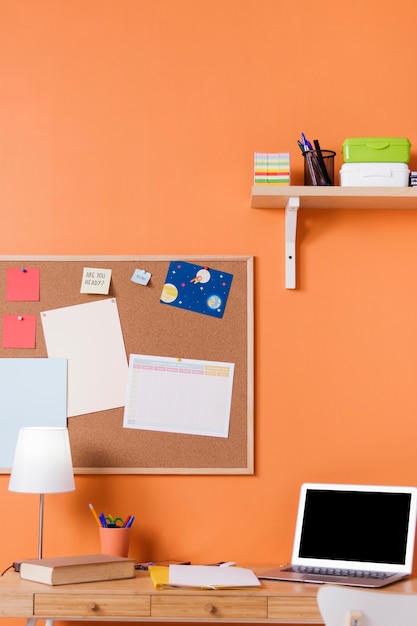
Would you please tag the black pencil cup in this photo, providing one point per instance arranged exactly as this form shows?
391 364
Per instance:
313 174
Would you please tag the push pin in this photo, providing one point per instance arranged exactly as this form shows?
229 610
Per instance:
23 270
20 318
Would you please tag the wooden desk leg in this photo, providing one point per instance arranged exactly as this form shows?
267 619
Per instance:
31 621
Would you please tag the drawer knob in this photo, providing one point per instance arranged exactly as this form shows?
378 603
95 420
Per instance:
209 608
91 606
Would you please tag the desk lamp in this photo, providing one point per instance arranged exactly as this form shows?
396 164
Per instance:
42 464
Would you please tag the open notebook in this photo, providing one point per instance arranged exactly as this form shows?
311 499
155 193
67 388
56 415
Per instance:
358 535
203 577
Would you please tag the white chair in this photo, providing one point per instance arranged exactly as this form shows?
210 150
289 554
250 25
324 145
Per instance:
351 606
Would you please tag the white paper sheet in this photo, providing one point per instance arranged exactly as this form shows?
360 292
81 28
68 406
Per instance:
90 337
212 576
33 392
179 395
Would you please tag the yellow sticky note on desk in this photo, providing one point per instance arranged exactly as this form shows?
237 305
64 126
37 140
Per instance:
159 575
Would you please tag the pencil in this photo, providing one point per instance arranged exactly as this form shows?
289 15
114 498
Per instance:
94 514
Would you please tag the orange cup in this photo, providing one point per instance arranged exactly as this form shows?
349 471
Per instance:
115 541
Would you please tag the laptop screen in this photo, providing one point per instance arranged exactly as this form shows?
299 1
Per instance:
356 526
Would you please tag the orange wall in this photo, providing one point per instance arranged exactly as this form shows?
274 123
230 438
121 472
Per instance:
129 127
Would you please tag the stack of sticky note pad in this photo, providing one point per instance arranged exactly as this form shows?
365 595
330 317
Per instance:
375 162
413 178
272 168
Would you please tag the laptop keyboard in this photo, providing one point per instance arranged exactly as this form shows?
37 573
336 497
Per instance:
334 571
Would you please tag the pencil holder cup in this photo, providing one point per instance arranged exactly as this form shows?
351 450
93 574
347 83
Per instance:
313 173
115 541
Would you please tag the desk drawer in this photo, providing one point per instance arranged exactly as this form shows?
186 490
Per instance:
302 609
91 605
209 606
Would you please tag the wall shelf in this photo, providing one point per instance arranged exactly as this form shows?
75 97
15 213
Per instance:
292 198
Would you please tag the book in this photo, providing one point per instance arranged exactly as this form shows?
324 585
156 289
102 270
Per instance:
66 570
203 577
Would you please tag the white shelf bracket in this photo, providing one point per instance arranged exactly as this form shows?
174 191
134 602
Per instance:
291 211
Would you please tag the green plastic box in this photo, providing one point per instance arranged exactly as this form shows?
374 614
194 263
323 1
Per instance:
376 150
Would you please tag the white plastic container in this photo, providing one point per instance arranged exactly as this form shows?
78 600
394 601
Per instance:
374 175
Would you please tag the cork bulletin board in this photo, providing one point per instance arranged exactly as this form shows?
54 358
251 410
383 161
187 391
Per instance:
99 442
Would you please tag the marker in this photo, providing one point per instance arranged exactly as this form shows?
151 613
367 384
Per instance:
103 521
130 521
92 509
125 525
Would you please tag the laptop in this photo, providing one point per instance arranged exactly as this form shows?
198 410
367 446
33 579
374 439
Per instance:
357 535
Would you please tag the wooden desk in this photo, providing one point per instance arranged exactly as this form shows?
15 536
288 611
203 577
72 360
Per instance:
136 600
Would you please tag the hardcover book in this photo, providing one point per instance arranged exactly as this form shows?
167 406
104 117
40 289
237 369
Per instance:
77 569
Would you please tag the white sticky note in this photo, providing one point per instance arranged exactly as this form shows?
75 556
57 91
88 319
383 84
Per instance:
95 280
141 277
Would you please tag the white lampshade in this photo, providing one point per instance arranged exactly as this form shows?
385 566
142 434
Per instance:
42 464
42 461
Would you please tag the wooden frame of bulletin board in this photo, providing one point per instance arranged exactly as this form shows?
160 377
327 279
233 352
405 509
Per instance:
99 443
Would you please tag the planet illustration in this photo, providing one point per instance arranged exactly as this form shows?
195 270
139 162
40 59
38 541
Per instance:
203 276
169 293
214 302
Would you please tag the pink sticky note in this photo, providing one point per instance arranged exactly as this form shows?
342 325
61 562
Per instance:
22 284
19 331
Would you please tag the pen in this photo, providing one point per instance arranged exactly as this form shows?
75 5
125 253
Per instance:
308 156
92 509
103 521
322 165
128 518
130 521
307 145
